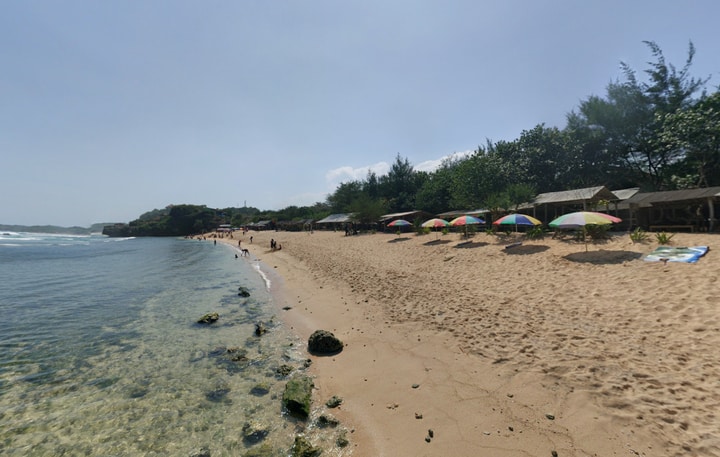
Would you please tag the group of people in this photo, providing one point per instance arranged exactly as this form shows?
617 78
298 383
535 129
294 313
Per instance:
274 245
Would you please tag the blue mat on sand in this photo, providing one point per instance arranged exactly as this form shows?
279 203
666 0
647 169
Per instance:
681 254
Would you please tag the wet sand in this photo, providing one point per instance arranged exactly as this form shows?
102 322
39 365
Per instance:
507 352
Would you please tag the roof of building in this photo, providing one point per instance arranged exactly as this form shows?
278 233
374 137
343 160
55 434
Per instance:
575 196
624 194
671 196
387 217
339 218
473 212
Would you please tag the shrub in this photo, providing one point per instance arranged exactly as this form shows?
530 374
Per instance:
536 233
638 235
598 232
664 238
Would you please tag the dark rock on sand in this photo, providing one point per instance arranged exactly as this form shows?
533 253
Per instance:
209 318
325 421
298 395
303 448
342 440
322 342
334 402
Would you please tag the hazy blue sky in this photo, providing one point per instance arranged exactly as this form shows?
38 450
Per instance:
109 108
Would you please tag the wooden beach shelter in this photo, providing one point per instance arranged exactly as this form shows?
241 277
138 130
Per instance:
411 216
336 220
675 210
551 205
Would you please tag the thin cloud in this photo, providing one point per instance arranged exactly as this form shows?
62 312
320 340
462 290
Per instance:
432 165
340 175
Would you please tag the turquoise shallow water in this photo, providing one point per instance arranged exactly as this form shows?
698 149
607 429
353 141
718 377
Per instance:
100 353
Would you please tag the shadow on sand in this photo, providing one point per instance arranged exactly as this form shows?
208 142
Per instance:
526 250
469 244
603 257
436 242
399 239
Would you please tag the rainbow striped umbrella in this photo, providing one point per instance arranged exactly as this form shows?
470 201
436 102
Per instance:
517 219
435 223
466 220
399 223
580 219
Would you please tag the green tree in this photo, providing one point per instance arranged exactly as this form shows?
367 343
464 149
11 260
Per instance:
346 193
435 193
694 133
399 186
518 194
628 117
368 210
483 173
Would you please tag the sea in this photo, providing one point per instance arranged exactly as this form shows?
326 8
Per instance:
101 353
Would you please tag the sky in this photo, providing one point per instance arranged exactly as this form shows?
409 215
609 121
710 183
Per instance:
109 109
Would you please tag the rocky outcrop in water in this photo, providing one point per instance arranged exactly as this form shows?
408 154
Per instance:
243 291
254 431
260 329
303 448
322 342
298 396
263 450
209 318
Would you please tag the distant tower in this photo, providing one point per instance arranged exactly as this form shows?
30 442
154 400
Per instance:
244 203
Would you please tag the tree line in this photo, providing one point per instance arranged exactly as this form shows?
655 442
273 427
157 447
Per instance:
657 133
660 132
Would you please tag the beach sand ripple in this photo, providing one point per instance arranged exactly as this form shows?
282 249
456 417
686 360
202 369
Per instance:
622 353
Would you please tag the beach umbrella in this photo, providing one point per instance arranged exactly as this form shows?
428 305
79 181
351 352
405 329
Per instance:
435 223
399 223
465 221
581 219
517 219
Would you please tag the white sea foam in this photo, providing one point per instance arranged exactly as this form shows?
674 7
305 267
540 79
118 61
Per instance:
262 274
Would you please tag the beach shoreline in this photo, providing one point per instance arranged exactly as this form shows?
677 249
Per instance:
526 351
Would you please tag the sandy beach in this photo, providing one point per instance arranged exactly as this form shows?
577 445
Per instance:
539 349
